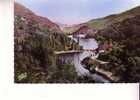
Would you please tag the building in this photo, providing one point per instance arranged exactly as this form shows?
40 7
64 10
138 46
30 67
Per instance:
83 31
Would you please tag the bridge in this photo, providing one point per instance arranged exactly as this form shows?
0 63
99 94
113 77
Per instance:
73 51
67 52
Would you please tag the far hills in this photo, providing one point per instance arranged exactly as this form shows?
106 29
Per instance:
125 22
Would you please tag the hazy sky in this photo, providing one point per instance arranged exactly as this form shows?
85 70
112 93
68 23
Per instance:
77 11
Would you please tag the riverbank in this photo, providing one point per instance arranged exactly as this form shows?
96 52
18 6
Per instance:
89 50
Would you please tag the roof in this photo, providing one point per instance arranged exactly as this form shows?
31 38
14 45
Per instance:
84 30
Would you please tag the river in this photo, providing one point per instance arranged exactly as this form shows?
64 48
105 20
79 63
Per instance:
87 44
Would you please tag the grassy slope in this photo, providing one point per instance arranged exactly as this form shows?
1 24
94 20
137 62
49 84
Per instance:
102 23
106 21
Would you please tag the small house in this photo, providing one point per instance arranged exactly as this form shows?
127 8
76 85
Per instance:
83 31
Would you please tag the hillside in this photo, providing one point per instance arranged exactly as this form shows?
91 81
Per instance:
35 40
25 13
106 22
123 30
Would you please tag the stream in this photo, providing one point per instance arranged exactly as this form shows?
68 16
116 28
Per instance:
87 44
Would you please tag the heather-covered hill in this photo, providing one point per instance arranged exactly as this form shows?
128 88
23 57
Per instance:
35 40
29 16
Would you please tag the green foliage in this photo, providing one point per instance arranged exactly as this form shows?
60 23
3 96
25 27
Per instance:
35 61
124 59
98 23
64 73
100 38
44 29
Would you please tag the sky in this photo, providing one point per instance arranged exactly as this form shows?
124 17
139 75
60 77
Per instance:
77 11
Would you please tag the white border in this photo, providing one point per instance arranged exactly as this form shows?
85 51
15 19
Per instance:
11 91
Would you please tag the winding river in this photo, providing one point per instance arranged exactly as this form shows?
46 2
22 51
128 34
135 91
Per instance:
87 44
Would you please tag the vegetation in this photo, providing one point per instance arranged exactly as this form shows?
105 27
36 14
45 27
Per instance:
35 43
123 29
124 58
35 61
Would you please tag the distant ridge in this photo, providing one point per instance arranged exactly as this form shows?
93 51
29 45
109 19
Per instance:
103 25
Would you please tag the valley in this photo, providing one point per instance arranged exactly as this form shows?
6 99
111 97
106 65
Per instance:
104 50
